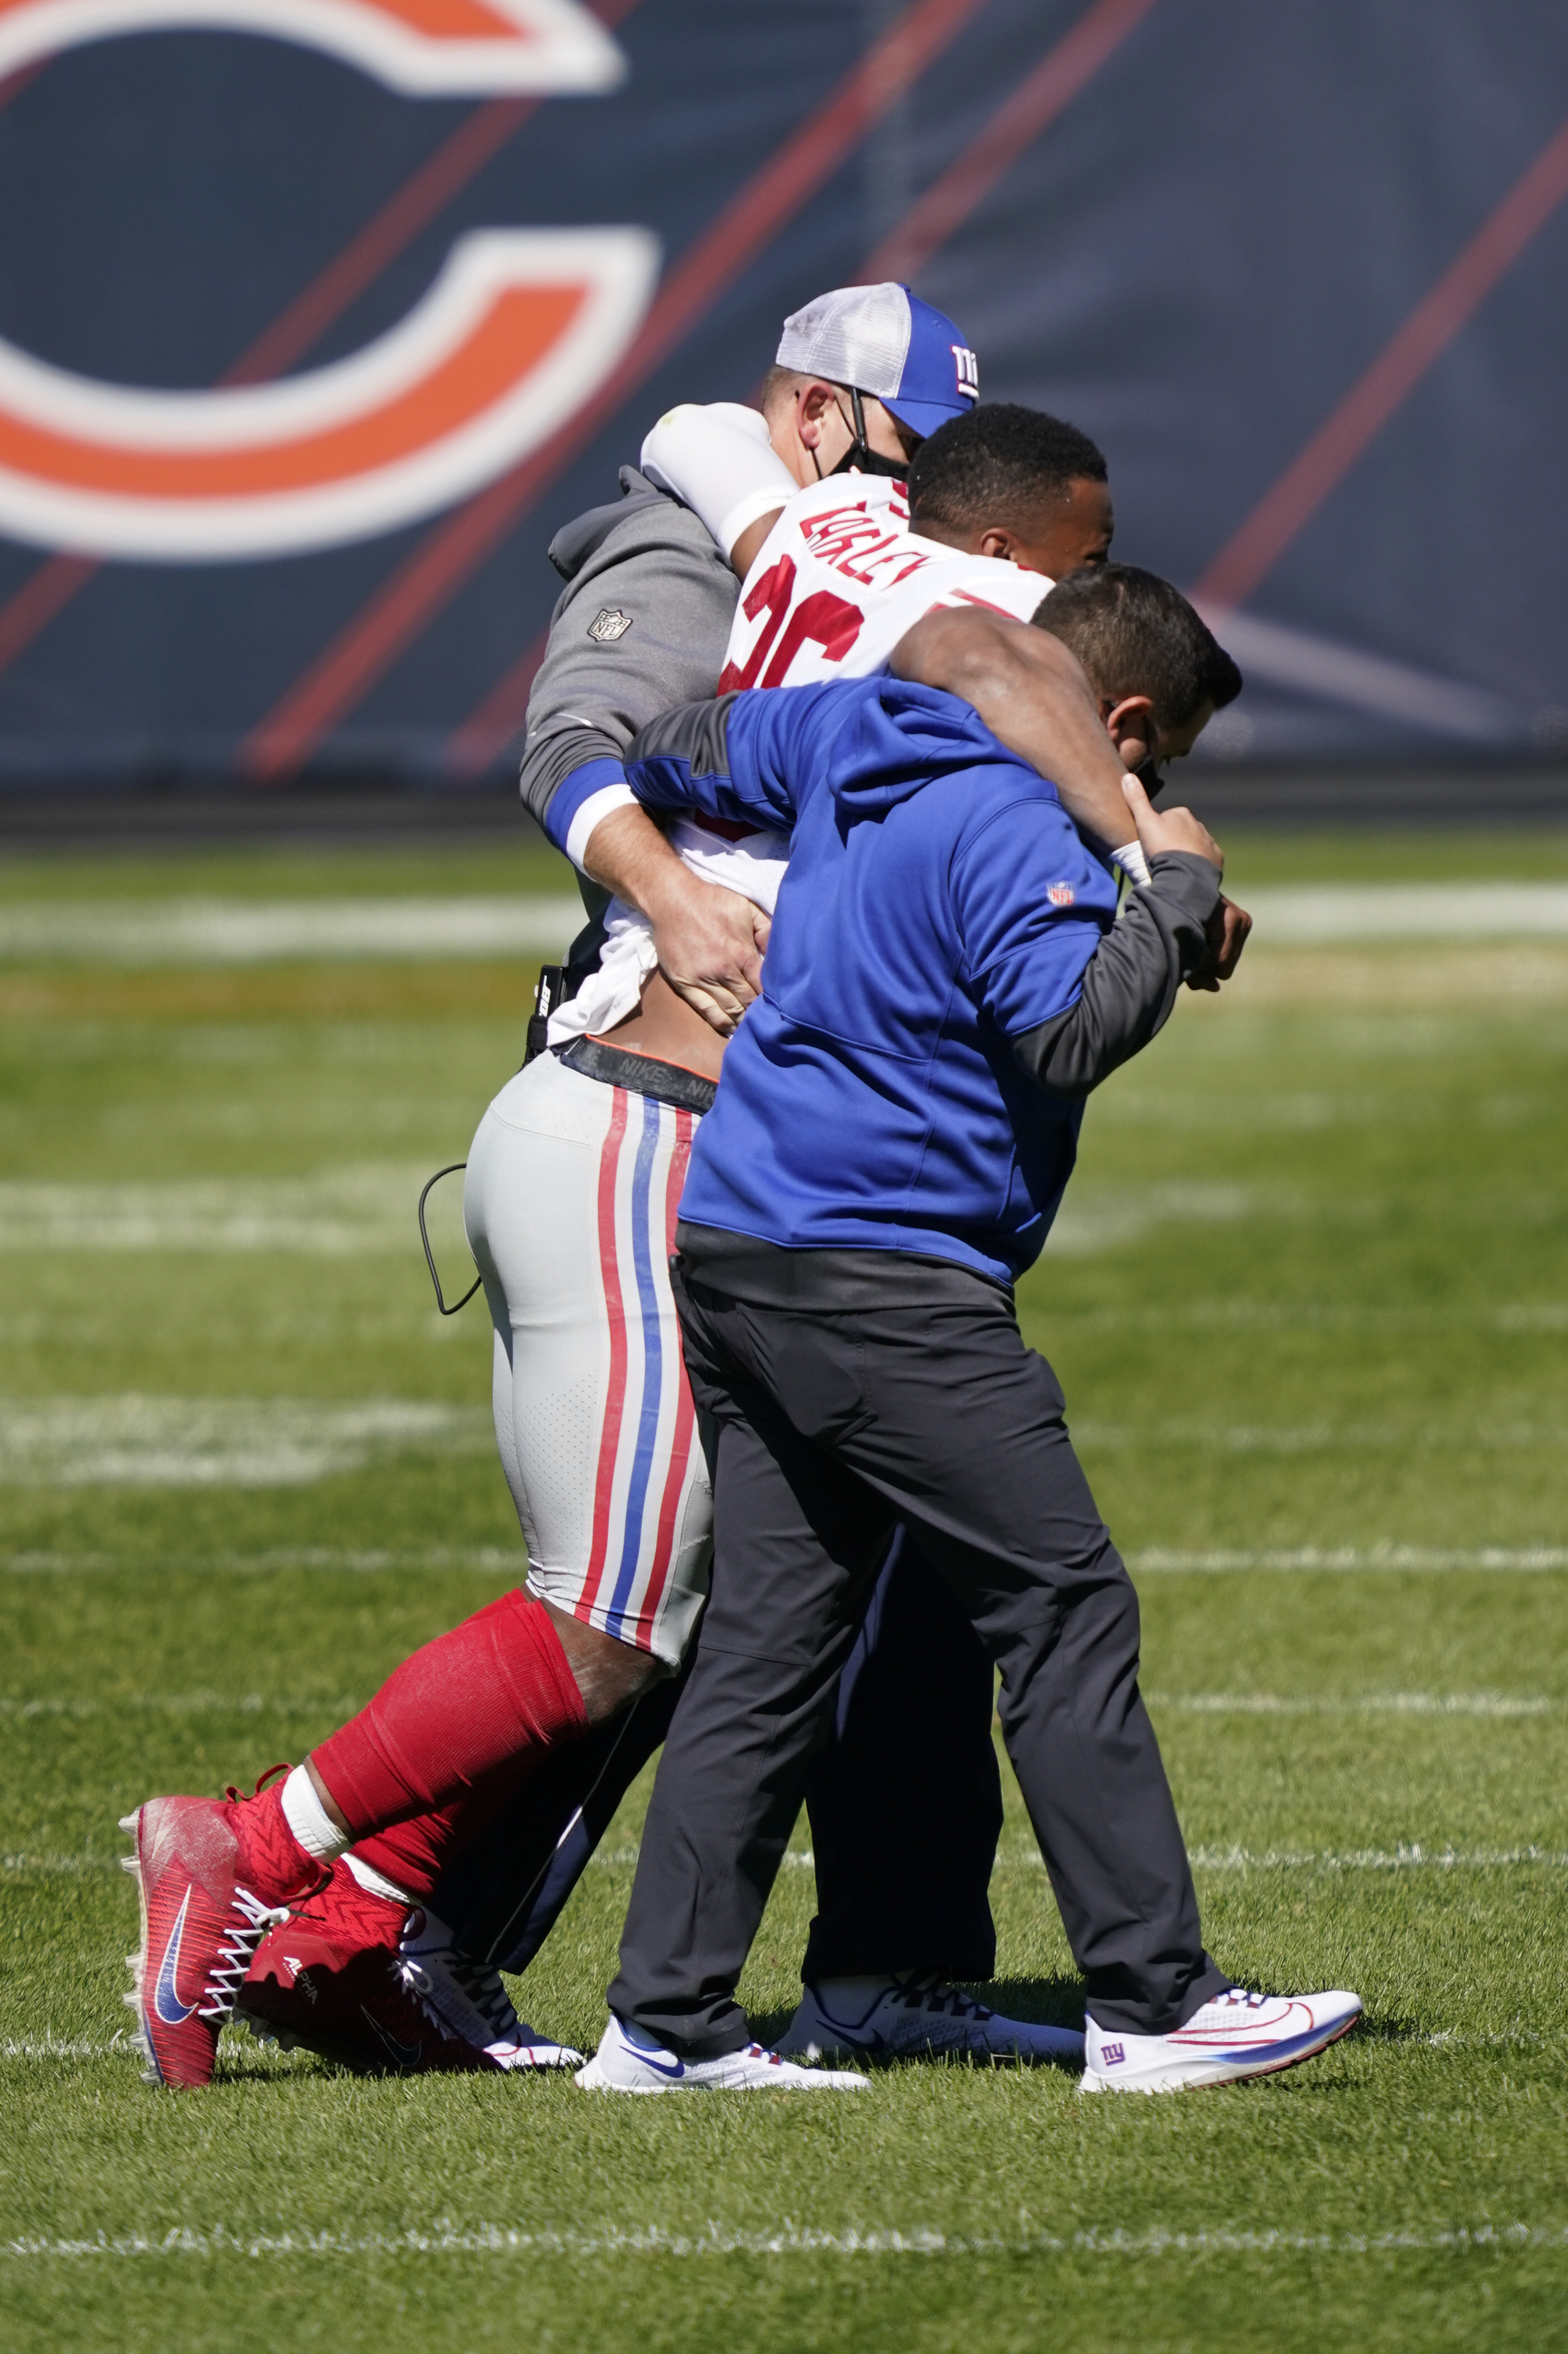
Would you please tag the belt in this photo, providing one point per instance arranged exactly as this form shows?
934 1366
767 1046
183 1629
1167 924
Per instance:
641 1074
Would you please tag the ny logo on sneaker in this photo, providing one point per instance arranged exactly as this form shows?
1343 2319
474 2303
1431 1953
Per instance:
1113 2054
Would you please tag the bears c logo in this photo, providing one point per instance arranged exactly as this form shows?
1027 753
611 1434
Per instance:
426 47
517 332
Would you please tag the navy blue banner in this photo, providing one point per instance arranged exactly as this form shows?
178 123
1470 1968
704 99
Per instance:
316 320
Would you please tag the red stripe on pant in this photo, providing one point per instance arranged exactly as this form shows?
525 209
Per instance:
615 1397
686 1413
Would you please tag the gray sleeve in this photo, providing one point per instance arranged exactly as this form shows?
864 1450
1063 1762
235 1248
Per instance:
1129 982
641 624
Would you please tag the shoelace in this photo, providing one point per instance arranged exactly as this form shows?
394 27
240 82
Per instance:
925 1991
489 1996
415 1981
480 1987
234 1954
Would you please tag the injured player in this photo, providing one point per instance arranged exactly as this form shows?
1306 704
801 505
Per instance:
945 984
595 1429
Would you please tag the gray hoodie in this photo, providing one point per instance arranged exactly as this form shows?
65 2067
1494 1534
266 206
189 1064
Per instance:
641 624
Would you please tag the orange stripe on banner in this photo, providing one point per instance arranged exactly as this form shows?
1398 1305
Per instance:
438 180
1366 409
1056 81
515 333
449 20
449 555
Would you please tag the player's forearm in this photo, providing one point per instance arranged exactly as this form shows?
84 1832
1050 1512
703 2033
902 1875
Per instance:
626 853
1032 694
709 941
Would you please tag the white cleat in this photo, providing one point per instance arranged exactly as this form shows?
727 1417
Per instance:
628 2061
1238 2034
916 2016
470 1999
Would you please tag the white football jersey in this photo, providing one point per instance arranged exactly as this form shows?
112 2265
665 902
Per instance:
842 578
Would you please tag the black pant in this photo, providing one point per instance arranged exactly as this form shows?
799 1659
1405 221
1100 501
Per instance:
831 1426
905 1804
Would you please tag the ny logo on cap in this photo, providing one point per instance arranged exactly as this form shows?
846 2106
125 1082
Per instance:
967 367
607 625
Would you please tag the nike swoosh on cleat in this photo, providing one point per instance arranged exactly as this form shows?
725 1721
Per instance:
648 2060
406 2054
167 2002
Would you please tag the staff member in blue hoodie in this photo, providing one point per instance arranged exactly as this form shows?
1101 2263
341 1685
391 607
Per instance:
944 986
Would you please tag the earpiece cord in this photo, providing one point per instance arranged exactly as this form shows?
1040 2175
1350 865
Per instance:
451 1170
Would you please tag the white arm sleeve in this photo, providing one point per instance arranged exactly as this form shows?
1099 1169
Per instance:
719 462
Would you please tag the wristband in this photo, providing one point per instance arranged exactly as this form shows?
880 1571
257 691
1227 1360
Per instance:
1133 863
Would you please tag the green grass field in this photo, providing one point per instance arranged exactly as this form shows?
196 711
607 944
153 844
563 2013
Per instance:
1309 1302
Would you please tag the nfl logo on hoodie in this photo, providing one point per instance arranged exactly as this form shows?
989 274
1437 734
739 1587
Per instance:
1061 895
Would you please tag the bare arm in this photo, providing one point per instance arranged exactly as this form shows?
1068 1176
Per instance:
1032 694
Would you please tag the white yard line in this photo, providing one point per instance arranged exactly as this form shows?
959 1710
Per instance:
364 1209
210 931
487 1561
1315 1438
1489 1704
54 2047
497 1561
1320 915
1329 1860
1427 1559
1110 1217
205 930
143 1442
174 1705
783 2238
1415 1858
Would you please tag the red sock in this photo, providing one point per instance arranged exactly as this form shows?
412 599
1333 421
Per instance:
486 1701
414 1853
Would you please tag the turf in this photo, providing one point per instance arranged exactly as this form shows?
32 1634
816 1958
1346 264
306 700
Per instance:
1309 1304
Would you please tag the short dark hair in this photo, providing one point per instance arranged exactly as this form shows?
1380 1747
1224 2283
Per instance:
1137 635
776 381
998 456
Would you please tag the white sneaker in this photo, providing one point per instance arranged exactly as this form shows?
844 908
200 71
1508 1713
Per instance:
914 2015
628 2061
470 1999
1238 2034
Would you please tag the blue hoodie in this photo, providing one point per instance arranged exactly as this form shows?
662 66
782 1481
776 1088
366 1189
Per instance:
938 904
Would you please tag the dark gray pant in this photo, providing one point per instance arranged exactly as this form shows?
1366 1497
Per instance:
830 1428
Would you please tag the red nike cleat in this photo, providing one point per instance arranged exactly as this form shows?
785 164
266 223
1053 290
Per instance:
331 1976
214 1875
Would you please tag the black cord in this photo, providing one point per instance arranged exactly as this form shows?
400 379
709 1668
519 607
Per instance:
429 1259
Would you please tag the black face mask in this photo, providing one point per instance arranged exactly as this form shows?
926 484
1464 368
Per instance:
860 458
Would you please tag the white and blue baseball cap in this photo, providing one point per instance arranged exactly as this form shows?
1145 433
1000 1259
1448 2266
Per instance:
885 340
